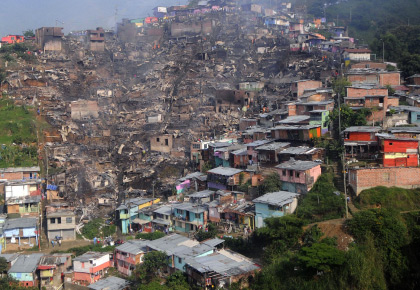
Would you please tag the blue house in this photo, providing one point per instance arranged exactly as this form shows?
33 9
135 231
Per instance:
21 231
128 213
274 204
413 113
189 217
24 270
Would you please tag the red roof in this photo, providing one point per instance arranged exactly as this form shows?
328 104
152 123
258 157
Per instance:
358 50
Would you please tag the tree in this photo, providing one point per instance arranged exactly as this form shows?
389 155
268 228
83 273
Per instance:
339 86
154 261
349 118
271 183
29 33
3 265
287 229
202 234
321 257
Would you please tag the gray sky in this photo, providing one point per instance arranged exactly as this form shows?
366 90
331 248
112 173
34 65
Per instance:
19 15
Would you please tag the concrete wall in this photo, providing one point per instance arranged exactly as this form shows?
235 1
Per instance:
161 143
405 177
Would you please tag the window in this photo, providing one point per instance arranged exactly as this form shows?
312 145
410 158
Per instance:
52 221
179 260
166 142
196 146
418 117
59 220
284 172
69 220
390 143
197 215
297 174
157 139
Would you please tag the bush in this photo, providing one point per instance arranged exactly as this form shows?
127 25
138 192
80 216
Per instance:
150 236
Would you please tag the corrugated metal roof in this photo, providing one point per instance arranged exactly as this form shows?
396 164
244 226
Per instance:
295 150
213 242
363 129
133 247
298 165
294 119
26 263
110 283
278 198
189 207
89 255
167 210
273 146
20 169
201 194
226 171
20 223
223 262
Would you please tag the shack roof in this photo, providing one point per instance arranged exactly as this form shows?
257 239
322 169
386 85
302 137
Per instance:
294 119
110 283
86 257
414 130
201 194
24 199
20 223
258 143
295 150
189 207
295 127
171 243
20 169
166 210
226 171
133 247
279 198
298 165
273 146
224 262
26 263
365 129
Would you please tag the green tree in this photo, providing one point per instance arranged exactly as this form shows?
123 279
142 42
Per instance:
150 236
349 118
339 86
206 167
154 261
202 234
29 33
271 183
287 229
321 257
3 265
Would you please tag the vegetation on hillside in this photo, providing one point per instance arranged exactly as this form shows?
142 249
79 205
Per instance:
396 198
17 135
323 202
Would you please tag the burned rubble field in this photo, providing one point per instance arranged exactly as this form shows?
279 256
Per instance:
105 110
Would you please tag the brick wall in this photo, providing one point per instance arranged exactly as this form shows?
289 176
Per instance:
392 79
358 92
361 179
302 86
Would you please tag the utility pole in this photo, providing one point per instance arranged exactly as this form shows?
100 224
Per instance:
339 115
345 185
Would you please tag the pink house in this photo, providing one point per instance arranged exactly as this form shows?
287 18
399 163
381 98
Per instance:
298 176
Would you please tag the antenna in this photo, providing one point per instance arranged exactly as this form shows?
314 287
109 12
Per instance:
58 21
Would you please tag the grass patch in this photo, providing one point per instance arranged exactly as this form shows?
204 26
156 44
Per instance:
389 197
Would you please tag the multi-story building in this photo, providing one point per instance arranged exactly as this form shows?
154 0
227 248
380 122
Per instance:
90 267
